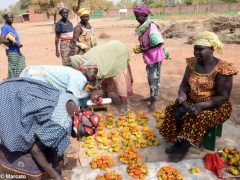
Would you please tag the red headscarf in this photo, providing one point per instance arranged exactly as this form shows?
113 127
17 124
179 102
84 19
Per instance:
87 119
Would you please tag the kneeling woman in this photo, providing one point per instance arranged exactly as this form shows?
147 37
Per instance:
205 91
36 126
109 64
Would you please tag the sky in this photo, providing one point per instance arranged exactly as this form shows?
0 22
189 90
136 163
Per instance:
5 3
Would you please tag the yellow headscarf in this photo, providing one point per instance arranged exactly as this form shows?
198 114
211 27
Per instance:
83 11
208 39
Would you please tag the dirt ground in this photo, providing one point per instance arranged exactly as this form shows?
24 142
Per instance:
39 48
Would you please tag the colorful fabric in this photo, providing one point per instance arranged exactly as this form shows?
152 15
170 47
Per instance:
27 115
86 40
120 84
66 51
208 39
153 75
16 63
65 79
142 10
111 59
22 163
88 120
193 128
202 89
143 27
66 36
9 29
148 39
83 11
203 85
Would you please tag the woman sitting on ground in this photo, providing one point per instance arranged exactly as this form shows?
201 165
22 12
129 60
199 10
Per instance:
36 126
107 64
205 92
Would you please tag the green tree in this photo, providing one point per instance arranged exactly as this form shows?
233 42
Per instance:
94 5
125 4
51 7
1 16
188 2
24 4
231 1
15 9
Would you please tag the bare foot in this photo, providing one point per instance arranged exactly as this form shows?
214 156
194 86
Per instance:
147 99
151 107
180 152
171 149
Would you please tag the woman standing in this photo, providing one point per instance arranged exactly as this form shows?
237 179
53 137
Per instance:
204 92
64 33
151 45
83 35
10 38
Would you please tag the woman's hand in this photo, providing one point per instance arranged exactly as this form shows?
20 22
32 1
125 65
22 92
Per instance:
58 177
181 99
18 45
72 44
137 49
89 88
196 108
57 53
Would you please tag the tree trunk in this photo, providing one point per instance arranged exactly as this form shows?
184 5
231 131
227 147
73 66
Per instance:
48 15
55 18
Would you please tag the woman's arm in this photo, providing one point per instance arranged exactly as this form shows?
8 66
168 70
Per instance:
57 36
41 160
3 40
76 33
151 47
223 90
184 88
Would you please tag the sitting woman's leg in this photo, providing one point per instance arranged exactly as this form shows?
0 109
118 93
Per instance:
194 128
169 128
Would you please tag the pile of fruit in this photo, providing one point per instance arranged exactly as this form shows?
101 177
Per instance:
194 170
129 156
160 117
232 158
102 162
169 172
142 119
109 176
119 133
138 170
110 122
91 152
115 143
101 139
88 142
